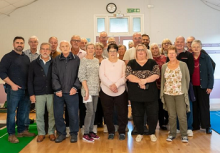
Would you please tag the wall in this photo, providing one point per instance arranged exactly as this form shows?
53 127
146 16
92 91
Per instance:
167 19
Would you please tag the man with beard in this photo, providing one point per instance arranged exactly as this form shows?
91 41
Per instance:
146 40
14 72
41 92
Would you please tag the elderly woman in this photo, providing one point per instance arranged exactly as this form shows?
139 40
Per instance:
89 76
202 81
113 93
142 73
174 93
99 52
164 47
160 59
121 51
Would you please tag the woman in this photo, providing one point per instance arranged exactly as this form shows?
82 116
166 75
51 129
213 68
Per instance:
174 93
160 59
121 51
142 73
113 93
165 44
99 52
202 81
89 76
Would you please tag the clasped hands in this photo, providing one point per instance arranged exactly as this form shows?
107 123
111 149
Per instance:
113 88
142 83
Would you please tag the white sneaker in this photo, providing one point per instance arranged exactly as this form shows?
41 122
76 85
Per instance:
177 131
139 138
189 133
95 128
116 128
153 138
67 132
105 128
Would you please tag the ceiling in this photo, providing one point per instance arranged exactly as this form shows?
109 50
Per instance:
8 6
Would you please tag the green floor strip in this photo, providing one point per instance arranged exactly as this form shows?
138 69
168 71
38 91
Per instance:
7 147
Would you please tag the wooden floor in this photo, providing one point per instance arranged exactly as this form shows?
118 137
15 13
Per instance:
199 143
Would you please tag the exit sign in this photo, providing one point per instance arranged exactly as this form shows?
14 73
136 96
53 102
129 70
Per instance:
133 10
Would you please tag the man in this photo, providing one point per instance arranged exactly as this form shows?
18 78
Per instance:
146 40
186 57
111 40
54 43
41 92
189 41
75 42
32 52
14 72
65 84
103 37
83 43
130 53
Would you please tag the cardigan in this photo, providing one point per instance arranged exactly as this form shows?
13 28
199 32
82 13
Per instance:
185 84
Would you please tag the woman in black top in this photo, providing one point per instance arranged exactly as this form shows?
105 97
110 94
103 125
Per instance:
142 91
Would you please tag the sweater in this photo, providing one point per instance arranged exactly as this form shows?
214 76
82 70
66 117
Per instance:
185 84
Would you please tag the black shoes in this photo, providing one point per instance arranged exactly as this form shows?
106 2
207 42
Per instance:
111 136
60 138
73 138
121 136
208 130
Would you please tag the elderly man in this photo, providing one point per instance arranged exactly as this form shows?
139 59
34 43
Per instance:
41 92
146 40
103 37
75 42
54 43
14 72
65 84
32 52
83 43
130 53
186 57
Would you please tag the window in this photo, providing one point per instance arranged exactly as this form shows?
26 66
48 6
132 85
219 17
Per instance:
137 24
118 25
100 24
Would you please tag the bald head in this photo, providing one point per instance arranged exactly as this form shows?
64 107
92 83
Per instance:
83 43
54 43
111 40
137 38
65 47
103 38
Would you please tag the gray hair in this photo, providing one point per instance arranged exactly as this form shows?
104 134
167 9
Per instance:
90 43
33 37
196 42
45 43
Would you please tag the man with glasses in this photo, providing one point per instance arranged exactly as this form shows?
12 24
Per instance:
83 43
130 54
75 42
103 37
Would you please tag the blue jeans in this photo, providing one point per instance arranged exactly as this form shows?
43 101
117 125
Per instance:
189 117
72 104
16 100
27 119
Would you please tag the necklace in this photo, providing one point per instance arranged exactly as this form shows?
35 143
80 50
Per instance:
196 66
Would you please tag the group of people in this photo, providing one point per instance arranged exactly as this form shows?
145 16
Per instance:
170 84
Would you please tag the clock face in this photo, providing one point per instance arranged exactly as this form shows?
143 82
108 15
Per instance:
111 8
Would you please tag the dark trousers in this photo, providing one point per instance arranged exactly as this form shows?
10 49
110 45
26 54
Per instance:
138 111
72 104
201 109
82 111
17 101
121 104
162 114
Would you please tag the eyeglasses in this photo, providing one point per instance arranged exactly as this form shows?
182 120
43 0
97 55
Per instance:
189 42
75 40
137 38
140 50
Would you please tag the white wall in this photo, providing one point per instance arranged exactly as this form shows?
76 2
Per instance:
64 18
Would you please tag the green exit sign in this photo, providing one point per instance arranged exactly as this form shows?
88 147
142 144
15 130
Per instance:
133 10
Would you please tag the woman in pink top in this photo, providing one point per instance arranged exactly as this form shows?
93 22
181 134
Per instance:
113 93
